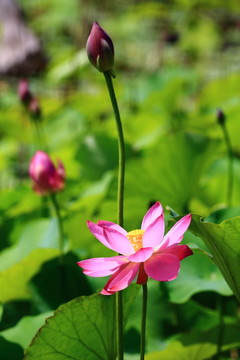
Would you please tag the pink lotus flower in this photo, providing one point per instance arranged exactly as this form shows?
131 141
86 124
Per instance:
146 252
46 177
100 49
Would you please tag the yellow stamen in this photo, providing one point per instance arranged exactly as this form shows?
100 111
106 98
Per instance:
135 237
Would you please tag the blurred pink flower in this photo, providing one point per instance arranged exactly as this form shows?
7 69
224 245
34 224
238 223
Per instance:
146 252
24 92
100 49
30 102
46 177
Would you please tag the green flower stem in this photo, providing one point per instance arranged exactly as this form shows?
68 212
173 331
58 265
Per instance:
230 164
221 326
60 226
119 313
121 174
144 317
220 306
121 147
36 128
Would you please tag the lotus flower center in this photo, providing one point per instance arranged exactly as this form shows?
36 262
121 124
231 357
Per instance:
135 237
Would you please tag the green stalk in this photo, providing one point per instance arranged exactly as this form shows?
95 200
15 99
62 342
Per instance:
60 226
120 199
37 131
144 317
119 313
230 164
38 134
220 306
121 147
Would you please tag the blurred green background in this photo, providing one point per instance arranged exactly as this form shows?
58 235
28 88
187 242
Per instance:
176 63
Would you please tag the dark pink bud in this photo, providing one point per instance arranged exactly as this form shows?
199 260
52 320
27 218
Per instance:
221 117
100 49
46 177
24 92
34 109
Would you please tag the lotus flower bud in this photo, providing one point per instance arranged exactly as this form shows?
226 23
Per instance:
34 109
100 49
221 117
46 177
24 92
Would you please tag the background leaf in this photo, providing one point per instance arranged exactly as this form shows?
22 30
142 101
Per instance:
177 160
223 242
25 329
194 279
10 350
42 233
14 281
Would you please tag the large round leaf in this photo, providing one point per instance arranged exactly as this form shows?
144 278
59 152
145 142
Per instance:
84 328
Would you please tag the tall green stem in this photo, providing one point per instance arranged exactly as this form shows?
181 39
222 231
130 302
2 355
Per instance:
60 226
121 148
144 317
121 174
221 326
119 313
230 164
220 306
38 134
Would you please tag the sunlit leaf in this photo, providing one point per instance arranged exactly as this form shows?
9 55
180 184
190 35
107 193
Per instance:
177 351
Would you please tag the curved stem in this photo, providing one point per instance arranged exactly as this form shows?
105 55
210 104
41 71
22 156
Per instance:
144 317
60 226
121 148
37 133
120 199
230 164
